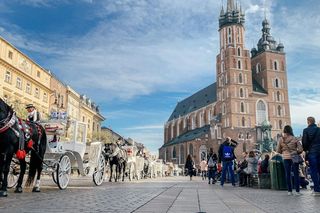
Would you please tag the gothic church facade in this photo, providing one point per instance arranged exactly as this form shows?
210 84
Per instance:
250 91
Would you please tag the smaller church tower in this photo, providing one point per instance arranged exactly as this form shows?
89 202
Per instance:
268 63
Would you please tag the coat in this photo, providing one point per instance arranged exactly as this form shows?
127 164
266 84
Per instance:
311 139
289 145
252 165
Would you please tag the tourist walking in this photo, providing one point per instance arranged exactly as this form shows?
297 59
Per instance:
212 166
203 168
226 157
190 166
311 144
290 147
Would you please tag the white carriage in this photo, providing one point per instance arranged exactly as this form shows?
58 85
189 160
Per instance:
66 149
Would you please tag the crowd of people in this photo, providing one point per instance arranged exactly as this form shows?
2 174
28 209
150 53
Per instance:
301 160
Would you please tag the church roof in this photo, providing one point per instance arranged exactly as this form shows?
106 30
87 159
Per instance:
189 136
196 101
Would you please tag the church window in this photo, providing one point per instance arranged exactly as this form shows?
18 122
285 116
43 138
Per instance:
262 82
174 152
239 51
223 108
242 107
258 68
222 67
280 124
240 78
243 122
181 154
277 83
279 110
261 112
239 64
278 96
275 65
241 93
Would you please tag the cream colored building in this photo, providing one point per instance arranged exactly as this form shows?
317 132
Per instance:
22 81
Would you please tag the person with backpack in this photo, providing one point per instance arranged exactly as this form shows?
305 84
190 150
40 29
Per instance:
311 145
226 157
212 166
190 167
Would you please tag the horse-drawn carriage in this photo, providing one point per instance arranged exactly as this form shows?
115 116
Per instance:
66 153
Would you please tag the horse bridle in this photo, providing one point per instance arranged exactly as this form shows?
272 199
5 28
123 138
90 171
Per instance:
8 122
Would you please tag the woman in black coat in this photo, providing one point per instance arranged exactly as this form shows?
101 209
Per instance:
190 166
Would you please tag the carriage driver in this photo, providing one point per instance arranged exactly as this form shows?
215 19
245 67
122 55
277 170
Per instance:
33 114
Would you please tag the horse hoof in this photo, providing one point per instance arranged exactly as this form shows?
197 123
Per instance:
36 189
18 190
3 194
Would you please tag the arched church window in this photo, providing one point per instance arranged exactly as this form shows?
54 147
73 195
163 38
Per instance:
241 93
174 152
275 65
240 78
243 122
239 64
261 112
258 68
279 110
280 124
239 51
277 83
278 96
241 107
191 149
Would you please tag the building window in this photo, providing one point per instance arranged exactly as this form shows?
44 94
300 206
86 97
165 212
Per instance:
174 152
191 149
277 83
258 68
28 88
278 96
223 108
181 154
45 97
275 65
240 78
10 54
261 112
19 83
280 124
89 124
243 121
242 107
241 93
279 110
83 119
38 74
239 51
7 77
239 64
37 93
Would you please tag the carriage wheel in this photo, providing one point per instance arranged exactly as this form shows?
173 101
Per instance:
98 175
63 172
13 174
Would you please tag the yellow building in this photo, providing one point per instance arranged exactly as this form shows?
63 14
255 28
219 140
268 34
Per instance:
89 114
22 81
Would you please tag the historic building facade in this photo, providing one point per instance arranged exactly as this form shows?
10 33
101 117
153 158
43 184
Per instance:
23 81
250 90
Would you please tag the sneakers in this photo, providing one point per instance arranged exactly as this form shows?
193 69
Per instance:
290 193
297 194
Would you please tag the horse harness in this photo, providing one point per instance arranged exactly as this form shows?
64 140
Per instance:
22 130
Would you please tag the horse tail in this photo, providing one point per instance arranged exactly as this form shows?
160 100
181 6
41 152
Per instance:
36 158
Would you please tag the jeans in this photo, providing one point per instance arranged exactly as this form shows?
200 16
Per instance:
227 166
289 166
211 174
204 174
314 162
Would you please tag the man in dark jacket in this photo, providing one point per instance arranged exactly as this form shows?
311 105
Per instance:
226 156
311 144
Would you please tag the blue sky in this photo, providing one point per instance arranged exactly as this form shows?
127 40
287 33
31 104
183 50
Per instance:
138 58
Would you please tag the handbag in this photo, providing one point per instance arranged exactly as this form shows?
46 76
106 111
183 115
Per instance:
296 158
